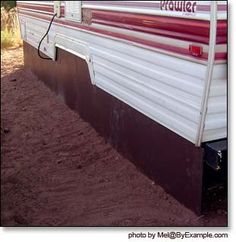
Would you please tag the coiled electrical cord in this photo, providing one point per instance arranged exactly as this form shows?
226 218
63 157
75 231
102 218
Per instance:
39 54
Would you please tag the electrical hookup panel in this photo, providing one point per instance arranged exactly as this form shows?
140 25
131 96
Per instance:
57 8
73 11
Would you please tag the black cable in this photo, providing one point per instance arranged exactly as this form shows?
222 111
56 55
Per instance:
39 54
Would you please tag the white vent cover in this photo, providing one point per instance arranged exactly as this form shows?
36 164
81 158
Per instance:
73 10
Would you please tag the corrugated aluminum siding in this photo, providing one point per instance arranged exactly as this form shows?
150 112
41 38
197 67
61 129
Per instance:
153 85
166 88
216 118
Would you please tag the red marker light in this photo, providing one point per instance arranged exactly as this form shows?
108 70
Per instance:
196 50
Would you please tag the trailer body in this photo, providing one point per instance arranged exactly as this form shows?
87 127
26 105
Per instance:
150 76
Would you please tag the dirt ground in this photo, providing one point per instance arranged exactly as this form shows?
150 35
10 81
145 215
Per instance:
57 171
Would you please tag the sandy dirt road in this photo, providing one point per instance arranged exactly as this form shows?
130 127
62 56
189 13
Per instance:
57 171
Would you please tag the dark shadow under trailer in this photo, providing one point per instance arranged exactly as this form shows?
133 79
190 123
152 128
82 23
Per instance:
182 169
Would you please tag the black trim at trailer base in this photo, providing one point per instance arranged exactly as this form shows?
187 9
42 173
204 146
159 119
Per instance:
215 154
215 163
170 160
215 176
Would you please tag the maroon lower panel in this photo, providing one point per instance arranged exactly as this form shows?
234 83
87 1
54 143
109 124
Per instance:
170 160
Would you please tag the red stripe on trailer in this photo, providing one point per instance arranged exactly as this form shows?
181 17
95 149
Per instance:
46 8
161 22
173 49
221 56
222 7
222 30
207 8
171 27
184 29
204 8
159 32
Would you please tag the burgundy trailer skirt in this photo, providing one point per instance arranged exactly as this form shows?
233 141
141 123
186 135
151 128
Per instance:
170 160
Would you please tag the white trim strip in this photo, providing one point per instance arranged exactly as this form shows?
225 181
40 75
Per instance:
77 48
210 65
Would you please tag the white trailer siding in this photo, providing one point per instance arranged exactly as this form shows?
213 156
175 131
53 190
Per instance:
164 86
216 118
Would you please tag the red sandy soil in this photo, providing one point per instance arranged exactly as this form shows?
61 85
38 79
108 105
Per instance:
57 171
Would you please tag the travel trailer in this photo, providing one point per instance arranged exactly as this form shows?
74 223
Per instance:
149 76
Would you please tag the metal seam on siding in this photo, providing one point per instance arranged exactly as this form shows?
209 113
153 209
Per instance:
210 65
